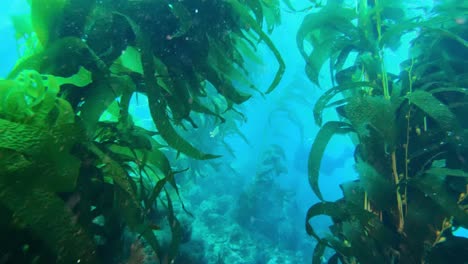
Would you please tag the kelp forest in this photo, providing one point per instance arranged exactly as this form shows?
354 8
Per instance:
122 121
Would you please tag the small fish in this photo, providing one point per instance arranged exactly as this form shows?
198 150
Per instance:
154 226
214 132
72 201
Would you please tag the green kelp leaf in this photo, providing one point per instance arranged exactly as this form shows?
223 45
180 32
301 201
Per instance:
290 6
47 216
422 220
32 96
333 209
114 170
46 152
373 112
66 114
76 15
80 79
112 113
158 187
334 259
124 153
20 138
461 90
45 17
359 237
353 193
282 65
340 211
271 14
13 163
64 57
100 97
14 105
183 16
169 134
199 107
22 25
130 59
318 252
126 196
222 62
250 40
158 159
179 101
135 218
225 87
372 226
341 56
394 32
360 231
248 20
322 51
434 186
435 109
324 100
318 148
371 65
158 107
176 230
447 171
257 10
316 59
447 34
58 167
330 23
44 91
374 120
244 47
379 189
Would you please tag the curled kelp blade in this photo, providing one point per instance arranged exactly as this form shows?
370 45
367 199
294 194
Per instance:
318 148
324 100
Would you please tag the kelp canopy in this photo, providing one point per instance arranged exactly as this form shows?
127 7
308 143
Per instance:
70 182
410 130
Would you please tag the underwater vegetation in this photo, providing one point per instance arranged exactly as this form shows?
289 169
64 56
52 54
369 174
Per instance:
409 128
82 182
72 183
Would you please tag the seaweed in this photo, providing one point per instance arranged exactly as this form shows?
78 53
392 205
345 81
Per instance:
73 181
409 129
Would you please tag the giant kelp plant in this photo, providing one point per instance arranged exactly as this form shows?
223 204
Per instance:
409 128
71 182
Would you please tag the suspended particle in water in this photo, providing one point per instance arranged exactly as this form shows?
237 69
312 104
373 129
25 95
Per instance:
460 20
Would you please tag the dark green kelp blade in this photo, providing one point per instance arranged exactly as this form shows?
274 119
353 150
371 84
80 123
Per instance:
434 108
318 148
157 105
48 217
324 100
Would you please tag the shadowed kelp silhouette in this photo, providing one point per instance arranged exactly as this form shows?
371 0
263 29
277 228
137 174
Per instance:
409 130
